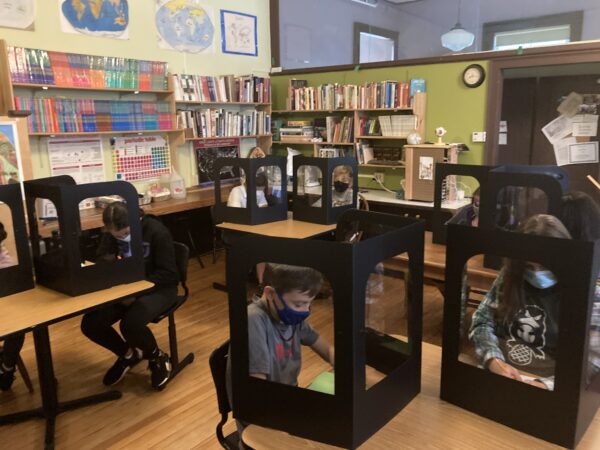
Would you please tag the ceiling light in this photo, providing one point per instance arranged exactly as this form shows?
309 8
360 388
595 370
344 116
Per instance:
457 38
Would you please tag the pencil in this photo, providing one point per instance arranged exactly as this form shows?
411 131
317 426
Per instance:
594 182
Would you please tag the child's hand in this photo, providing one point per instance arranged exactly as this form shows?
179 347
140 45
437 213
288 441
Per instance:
506 370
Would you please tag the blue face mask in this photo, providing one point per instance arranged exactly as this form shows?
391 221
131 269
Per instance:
288 316
541 279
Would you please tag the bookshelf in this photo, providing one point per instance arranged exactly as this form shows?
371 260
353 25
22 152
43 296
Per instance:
223 107
72 95
361 103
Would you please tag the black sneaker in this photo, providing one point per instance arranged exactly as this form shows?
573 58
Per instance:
161 370
120 368
6 377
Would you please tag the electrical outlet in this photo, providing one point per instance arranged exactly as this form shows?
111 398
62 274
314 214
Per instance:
478 136
379 177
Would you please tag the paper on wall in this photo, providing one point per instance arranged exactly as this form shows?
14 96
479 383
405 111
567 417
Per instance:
583 153
561 150
559 128
80 158
503 139
585 125
570 104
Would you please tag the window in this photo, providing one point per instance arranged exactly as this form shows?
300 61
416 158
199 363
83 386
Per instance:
375 48
533 37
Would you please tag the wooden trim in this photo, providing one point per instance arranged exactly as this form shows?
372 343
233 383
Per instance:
560 55
275 37
6 91
575 47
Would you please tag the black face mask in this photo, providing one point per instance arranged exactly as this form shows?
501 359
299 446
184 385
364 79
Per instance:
340 186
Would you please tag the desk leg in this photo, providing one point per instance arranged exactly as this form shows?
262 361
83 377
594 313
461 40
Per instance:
50 404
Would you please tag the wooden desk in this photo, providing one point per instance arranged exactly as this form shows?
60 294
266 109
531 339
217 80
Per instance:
427 422
435 266
200 198
289 228
37 309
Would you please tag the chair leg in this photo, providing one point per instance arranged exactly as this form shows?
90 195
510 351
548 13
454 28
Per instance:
193 244
178 365
24 374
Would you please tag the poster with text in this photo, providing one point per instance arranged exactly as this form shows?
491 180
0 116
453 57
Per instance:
80 158
238 33
18 14
185 26
101 18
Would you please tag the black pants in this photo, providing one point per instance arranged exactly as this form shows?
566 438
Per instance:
12 347
98 325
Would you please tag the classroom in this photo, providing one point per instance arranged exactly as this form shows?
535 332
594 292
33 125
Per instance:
285 224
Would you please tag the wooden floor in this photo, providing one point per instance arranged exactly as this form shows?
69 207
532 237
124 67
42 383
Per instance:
185 414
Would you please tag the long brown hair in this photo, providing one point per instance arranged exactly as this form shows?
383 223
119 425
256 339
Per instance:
512 295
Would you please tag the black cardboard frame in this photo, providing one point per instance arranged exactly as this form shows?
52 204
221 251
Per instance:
354 414
326 214
70 278
19 277
560 416
443 170
252 214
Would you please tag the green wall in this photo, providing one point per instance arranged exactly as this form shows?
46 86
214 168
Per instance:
450 104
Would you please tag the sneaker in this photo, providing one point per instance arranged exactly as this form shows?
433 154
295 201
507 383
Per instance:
120 368
160 368
7 376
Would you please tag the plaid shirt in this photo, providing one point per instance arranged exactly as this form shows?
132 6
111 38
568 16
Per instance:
484 328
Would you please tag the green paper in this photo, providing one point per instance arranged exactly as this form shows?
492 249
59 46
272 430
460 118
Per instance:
324 383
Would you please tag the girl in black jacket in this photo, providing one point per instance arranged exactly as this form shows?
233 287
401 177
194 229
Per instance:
137 341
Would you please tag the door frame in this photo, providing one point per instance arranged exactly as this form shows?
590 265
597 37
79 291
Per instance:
561 55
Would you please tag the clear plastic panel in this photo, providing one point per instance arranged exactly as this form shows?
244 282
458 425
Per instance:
309 185
290 327
342 186
510 325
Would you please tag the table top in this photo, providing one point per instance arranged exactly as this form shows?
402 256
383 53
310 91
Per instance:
427 422
435 265
43 306
289 228
200 198
380 196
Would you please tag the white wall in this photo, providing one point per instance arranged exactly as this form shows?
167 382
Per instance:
320 31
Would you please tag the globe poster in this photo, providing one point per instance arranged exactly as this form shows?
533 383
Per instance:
103 18
185 26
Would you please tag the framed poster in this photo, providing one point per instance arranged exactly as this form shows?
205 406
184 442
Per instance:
238 33
10 157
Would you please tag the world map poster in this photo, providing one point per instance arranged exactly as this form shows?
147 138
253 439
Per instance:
102 18
185 25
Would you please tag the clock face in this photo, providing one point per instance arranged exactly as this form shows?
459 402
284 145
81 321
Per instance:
473 75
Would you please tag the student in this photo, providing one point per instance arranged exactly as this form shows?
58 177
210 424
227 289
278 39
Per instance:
342 190
277 326
516 325
238 196
468 215
14 342
137 342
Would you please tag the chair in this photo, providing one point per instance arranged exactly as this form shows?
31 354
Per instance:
218 369
182 255
23 371
184 222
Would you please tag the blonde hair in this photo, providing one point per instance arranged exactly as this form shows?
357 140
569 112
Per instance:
256 152
343 172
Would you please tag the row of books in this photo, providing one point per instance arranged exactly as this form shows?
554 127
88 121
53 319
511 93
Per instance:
222 89
57 115
340 130
364 153
50 68
297 133
399 125
374 95
208 123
